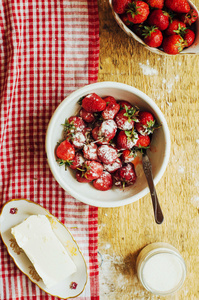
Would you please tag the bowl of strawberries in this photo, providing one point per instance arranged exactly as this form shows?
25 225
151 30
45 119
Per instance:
95 140
163 26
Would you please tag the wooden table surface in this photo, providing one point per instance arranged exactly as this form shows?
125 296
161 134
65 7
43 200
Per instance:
173 83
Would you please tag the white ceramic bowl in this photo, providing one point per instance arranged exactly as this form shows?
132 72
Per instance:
159 156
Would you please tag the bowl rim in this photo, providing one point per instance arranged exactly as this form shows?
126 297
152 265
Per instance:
85 90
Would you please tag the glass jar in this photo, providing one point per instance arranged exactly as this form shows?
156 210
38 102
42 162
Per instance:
161 269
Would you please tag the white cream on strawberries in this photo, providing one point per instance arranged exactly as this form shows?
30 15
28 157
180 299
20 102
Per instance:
49 257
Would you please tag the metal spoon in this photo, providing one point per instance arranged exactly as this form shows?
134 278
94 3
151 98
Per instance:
159 218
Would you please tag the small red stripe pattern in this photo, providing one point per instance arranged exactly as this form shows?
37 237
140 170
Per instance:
48 49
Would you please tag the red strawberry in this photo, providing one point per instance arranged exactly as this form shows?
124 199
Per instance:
65 153
111 168
98 137
138 29
126 139
90 151
80 177
93 103
125 118
179 6
146 123
125 20
86 116
173 44
125 176
108 129
104 182
174 27
107 154
109 100
74 124
123 104
78 139
110 111
91 169
77 161
143 141
155 3
128 156
159 18
152 36
189 17
137 12
189 37
120 6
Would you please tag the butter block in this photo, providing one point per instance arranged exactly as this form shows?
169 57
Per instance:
49 257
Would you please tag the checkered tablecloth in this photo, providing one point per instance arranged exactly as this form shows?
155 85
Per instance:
48 49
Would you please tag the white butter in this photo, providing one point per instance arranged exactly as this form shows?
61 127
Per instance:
49 257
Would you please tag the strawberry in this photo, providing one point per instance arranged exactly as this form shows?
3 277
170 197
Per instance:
107 154
108 129
152 36
77 161
91 169
99 139
143 141
138 29
90 151
155 3
189 37
74 124
174 27
126 139
173 44
65 153
78 139
190 17
120 6
159 18
124 104
137 11
110 111
93 103
125 118
146 124
86 116
111 168
128 156
125 176
104 182
109 100
178 6
80 177
125 20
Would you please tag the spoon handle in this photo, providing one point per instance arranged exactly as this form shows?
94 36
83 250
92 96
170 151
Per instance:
159 218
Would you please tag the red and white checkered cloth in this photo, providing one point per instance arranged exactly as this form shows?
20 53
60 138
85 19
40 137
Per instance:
48 49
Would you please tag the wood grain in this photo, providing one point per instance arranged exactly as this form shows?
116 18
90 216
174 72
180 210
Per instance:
173 83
